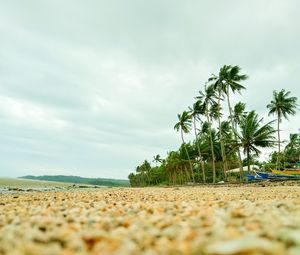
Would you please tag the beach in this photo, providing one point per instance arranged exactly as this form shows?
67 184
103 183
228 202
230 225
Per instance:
255 219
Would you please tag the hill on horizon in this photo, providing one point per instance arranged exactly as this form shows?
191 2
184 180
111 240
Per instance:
79 179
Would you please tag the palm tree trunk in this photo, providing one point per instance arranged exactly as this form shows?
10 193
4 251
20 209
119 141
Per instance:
212 147
181 177
187 154
235 136
278 133
248 159
199 152
225 168
174 178
148 178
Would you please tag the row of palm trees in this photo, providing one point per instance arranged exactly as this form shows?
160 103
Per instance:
219 139
208 106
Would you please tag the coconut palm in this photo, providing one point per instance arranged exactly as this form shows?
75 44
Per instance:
292 149
145 169
208 99
253 135
215 113
195 113
229 142
220 89
226 131
171 165
141 177
184 125
238 113
282 106
157 159
229 79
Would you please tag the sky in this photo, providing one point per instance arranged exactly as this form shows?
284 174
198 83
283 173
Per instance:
92 88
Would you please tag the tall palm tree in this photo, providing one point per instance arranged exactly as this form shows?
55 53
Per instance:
220 89
282 105
229 141
253 135
208 99
215 113
237 114
229 79
184 125
195 113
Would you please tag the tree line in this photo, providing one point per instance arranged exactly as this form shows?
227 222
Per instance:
226 136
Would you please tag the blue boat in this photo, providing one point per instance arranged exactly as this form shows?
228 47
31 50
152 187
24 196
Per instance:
271 176
252 178
262 175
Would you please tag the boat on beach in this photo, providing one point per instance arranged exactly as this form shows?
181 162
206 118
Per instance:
287 172
278 175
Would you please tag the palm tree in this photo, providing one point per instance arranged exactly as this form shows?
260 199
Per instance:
292 149
226 131
282 105
145 169
228 79
215 113
208 140
208 100
220 88
175 166
195 113
229 142
254 135
184 125
157 159
238 113
140 176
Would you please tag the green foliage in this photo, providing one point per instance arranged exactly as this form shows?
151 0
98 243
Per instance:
239 112
282 105
274 156
157 159
292 149
184 122
254 135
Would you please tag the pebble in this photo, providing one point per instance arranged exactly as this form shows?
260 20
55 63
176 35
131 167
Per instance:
187 220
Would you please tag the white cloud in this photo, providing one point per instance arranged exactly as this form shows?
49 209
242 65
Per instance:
23 113
94 88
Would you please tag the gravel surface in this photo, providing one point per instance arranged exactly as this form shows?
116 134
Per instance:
180 220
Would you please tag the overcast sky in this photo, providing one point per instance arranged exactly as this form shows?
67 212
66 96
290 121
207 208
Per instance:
92 88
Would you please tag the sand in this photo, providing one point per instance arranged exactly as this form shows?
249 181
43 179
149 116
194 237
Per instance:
181 220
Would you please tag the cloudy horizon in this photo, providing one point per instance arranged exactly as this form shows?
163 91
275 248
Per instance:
93 89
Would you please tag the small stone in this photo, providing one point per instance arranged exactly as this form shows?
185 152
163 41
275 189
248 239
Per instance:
294 251
291 237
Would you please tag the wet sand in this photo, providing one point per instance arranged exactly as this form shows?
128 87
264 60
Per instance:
181 220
